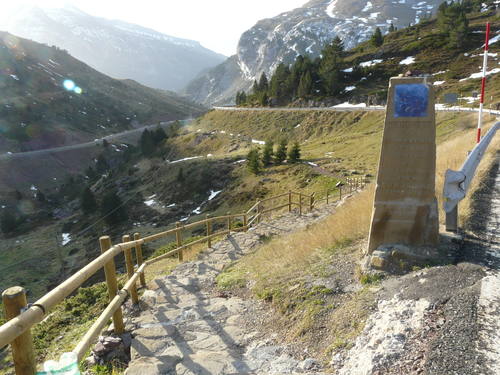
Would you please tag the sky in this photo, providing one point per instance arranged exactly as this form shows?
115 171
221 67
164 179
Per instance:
216 24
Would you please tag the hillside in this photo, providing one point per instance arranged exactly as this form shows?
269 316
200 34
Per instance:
307 31
116 48
39 112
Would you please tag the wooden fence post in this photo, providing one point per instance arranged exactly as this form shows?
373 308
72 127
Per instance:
327 197
138 256
300 204
311 202
130 270
14 300
340 192
110 273
178 238
229 222
289 201
245 222
209 231
259 210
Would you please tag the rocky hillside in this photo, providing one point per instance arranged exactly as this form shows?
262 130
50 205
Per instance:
116 48
48 99
301 31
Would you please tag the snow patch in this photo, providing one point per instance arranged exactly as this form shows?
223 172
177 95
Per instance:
66 238
367 64
409 60
185 159
258 142
213 194
438 83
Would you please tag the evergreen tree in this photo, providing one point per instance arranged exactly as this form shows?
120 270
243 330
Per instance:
377 38
90 173
147 143
101 166
88 203
40 197
267 154
113 209
392 28
452 22
255 87
8 221
305 85
253 161
264 99
280 155
279 87
180 176
263 83
294 153
330 67
105 143
158 136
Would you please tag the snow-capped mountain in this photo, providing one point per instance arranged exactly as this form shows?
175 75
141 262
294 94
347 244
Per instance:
304 30
116 48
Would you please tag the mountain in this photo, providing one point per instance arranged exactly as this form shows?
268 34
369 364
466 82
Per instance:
304 30
48 98
115 48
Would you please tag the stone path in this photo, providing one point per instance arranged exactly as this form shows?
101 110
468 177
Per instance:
187 327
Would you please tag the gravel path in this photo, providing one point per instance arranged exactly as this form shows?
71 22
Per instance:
187 327
442 320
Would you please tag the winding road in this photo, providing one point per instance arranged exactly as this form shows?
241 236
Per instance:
95 142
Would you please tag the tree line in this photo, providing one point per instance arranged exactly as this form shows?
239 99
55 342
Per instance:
257 159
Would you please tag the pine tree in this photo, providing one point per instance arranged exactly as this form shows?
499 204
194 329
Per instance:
392 28
147 143
158 136
8 221
253 161
294 153
263 83
264 99
267 154
88 203
279 87
180 176
101 165
40 197
113 209
330 67
377 38
280 155
305 85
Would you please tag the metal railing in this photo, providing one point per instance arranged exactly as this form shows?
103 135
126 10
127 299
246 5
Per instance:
457 183
22 316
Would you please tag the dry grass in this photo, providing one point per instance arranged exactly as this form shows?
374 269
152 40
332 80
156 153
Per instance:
286 256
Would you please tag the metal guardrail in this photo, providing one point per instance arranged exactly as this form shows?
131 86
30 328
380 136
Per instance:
457 183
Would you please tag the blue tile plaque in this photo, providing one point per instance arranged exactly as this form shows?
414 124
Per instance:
411 100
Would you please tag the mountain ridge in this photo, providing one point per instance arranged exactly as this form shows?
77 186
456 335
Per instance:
304 30
116 48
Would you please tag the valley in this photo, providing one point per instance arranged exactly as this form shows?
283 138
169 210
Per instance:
84 155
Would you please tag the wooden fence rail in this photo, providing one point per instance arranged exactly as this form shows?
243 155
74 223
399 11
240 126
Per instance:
22 317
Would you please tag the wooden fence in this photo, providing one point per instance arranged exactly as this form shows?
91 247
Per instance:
22 316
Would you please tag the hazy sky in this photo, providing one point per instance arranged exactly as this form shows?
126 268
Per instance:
217 24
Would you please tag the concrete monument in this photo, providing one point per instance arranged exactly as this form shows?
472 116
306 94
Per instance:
405 206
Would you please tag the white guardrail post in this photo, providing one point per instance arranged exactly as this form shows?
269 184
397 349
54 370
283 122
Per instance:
457 183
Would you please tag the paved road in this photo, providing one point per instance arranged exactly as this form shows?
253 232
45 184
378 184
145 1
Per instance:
111 137
350 108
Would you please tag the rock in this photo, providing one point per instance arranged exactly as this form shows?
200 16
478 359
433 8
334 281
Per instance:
309 364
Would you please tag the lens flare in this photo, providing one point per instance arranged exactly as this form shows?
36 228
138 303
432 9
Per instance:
77 90
69 85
